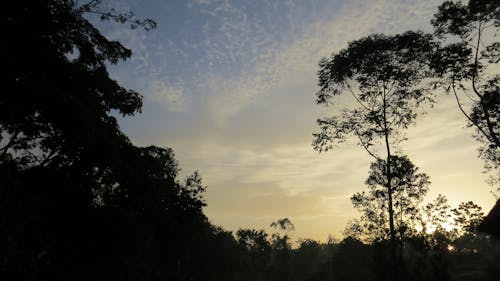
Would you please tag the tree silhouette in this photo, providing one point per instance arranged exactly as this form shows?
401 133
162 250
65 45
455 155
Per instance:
78 200
284 225
467 217
435 214
258 253
384 75
408 188
464 68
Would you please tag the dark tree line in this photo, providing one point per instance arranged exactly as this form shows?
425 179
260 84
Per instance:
79 201
460 253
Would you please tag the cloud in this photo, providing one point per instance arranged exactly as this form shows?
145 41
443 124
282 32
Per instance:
236 82
172 97
280 60
437 141
203 2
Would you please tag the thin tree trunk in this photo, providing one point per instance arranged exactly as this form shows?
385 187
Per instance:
492 137
389 190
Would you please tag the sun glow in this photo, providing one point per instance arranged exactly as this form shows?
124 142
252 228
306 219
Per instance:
432 227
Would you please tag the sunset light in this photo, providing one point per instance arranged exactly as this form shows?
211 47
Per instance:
242 111
236 140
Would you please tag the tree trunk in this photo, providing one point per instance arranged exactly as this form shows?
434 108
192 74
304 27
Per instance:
389 193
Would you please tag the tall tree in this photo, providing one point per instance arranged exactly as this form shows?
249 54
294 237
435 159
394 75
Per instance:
78 200
465 66
384 75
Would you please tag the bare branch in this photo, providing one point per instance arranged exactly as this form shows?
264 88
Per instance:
467 115
468 95
390 89
476 63
356 98
365 146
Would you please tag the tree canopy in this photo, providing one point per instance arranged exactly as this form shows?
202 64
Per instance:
465 68
384 75
409 187
78 200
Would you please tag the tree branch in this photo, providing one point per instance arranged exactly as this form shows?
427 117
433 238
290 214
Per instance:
9 144
356 98
49 157
87 7
365 146
467 115
492 137
476 63
468 95
390 89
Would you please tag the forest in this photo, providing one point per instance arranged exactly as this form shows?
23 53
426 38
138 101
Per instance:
80 201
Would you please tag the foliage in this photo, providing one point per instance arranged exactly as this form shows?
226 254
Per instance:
388 71
95 7
282 241
468 216
464 67
409 188
428 256
78 200
435 214
384 75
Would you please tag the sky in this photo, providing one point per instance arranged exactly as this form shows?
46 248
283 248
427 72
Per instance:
230 86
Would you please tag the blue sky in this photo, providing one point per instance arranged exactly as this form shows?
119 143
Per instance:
230 85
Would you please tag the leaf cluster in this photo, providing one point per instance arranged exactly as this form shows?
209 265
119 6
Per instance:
463 68
384 75
376 61
95 7
408 188
458 19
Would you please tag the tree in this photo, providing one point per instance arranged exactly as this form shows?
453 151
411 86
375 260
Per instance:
257 251
311 261
464 67
384 75
408 188
55 107
467 217
78 200
282 242
435 214
466 220
352 261
281 245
